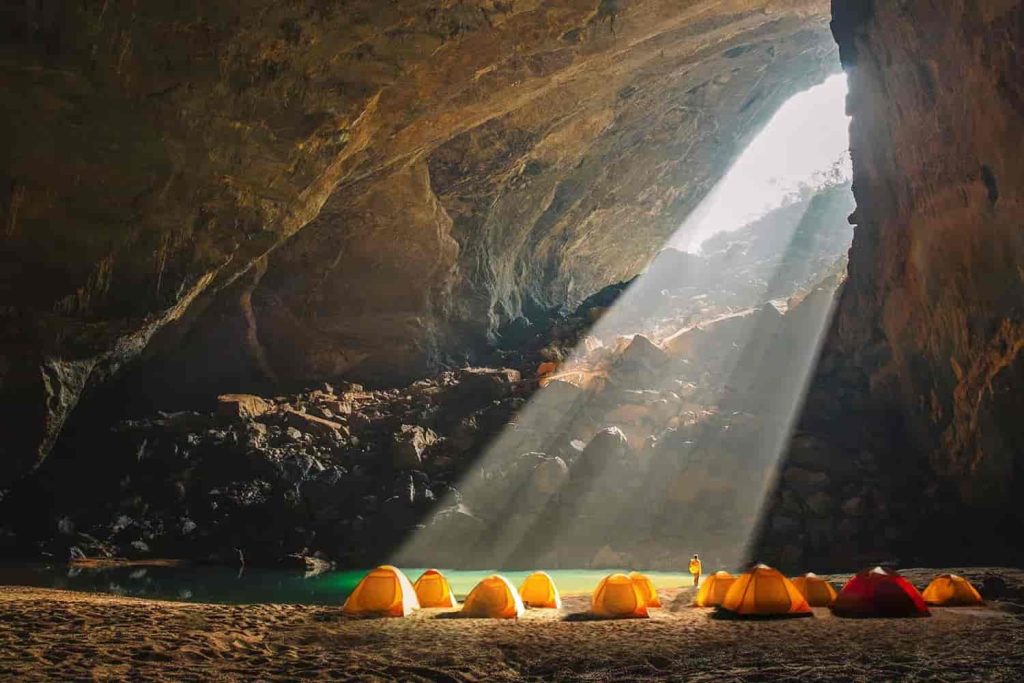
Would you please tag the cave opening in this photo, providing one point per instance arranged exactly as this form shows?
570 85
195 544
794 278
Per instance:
803 149
668 419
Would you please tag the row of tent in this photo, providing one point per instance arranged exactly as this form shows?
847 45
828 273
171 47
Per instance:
387 592
763 591
759 592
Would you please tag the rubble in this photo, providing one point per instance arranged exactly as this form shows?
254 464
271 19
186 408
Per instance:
654 409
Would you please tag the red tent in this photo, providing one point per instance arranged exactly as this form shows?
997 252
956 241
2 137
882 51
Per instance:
879 593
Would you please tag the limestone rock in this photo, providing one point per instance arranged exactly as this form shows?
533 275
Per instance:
487 384
315 425
242 406
408 446
549 476
209 196
642 353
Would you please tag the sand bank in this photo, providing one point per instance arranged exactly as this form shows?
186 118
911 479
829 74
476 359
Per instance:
58 635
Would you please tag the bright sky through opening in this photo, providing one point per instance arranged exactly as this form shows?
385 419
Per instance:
805 138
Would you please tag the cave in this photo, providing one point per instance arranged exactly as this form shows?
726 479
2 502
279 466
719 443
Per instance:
473 284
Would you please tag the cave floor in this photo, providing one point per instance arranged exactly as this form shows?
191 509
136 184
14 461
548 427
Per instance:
56 635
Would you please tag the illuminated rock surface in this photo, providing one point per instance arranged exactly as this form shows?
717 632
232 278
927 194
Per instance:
291 192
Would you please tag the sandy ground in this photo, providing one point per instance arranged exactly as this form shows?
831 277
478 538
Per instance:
57 635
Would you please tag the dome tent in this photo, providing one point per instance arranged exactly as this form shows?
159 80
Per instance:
818 591
879 593
433 590
713 590
383 592
951 590
618 597
538 590
764 592
493 598
647 589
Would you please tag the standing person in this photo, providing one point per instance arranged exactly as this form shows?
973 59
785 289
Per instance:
695 568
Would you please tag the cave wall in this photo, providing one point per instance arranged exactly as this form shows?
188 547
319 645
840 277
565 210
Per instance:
916 405
547 198
215 188
935 270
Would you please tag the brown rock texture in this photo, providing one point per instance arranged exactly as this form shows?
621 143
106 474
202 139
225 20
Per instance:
921 374
285 191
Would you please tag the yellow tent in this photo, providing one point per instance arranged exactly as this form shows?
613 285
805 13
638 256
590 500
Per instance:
538 590
383 592
617 597
714 588
950 590
494 598
818 591
647 589
433 590
763 591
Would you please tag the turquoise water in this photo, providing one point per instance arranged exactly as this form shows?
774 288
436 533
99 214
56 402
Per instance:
225 585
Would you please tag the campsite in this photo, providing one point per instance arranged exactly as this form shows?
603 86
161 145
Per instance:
463 341
186 641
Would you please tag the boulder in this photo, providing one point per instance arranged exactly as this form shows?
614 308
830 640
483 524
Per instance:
321 412
408 445
318 426
242 406
487 384
639 364
256 434
549 475
340 407
608 448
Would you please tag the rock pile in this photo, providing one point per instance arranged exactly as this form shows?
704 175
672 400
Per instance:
575 444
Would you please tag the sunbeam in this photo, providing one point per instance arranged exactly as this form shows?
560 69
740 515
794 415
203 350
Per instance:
660 434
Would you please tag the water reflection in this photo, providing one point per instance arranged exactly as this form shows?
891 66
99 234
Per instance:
257 585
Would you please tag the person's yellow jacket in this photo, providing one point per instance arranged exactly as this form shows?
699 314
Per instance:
695 567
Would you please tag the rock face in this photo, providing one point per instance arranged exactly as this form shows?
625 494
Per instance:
643 458
285 192
921 374
198 201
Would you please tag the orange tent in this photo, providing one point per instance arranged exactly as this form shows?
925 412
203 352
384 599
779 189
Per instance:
818 591
383 592
764 592
713 590
493 598
618 597
950 590
879 593
433 590
538 590
647 589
